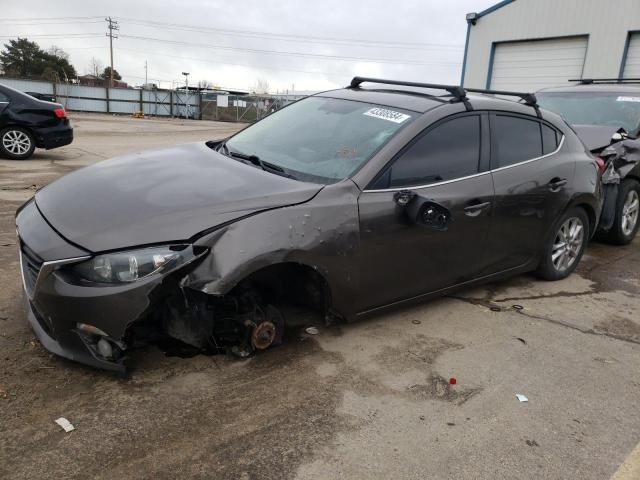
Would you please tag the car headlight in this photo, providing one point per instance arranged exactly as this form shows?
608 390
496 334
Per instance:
126 267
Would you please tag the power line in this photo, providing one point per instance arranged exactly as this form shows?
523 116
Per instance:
287 53
290 37
22 19
53 23
252 65
53 35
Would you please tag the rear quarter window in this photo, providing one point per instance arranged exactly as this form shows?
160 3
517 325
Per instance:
515 140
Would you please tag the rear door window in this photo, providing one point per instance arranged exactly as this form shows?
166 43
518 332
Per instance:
515 140
450 150
4 98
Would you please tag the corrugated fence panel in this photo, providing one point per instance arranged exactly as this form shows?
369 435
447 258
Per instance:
28 85
81 91
123 107
124 94
121 100
84 104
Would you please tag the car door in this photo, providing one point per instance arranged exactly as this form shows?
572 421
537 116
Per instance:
532 178
446 169
4 103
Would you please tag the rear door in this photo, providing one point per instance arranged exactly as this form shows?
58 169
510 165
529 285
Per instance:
446 165
532 179
4 102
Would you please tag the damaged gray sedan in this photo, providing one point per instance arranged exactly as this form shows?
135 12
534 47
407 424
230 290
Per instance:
346 202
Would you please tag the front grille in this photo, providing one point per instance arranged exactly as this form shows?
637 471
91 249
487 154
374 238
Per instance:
31 265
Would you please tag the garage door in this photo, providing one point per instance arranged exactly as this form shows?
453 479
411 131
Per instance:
529 66
632 64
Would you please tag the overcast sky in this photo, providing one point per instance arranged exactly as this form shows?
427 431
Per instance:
231 43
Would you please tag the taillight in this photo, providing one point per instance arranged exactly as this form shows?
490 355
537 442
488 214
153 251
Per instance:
601 164
60 113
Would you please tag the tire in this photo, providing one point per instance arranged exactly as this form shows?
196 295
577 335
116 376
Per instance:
627 219
16 143
560 259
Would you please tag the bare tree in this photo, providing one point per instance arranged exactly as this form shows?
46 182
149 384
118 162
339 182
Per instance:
58 52
95 67
205 85
261 86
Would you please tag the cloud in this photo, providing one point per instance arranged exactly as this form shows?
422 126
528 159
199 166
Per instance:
411 39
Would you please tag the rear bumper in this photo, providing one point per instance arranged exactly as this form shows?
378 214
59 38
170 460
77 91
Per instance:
54 137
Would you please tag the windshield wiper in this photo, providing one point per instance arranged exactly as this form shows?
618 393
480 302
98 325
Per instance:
258 162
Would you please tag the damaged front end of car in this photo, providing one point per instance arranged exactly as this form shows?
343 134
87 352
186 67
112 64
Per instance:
96 308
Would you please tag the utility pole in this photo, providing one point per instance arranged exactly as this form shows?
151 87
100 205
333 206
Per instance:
186 95
146 81
112 25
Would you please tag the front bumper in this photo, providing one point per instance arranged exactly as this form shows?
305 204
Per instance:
55 307
69 344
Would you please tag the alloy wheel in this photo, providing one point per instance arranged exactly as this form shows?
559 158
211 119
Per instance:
16 142
567 244
630 211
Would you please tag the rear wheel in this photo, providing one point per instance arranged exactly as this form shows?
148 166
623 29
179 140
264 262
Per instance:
626 223
565 247
16 143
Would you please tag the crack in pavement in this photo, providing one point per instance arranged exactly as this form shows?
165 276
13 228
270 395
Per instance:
488 303
549 295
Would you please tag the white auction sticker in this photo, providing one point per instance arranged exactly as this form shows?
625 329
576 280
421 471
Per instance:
628 99
384 114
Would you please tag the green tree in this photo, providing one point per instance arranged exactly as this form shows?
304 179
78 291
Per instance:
107 74
20 58
23 58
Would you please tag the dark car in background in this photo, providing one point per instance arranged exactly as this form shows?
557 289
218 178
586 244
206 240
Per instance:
27 123
605 112
347 202
47 97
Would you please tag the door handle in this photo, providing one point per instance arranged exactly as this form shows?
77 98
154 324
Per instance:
555 184
475 209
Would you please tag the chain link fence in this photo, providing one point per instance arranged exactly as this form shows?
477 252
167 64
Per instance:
240 108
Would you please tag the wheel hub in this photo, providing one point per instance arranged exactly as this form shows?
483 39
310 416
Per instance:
567 244
263 335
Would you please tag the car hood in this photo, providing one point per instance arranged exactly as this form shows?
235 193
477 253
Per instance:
161 196
596 137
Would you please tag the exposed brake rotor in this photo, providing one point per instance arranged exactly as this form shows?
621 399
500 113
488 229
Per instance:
263 335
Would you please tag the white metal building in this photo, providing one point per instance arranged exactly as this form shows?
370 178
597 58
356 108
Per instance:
530 44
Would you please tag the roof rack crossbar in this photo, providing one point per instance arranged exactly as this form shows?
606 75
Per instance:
458 92
588 81
529 98
455 90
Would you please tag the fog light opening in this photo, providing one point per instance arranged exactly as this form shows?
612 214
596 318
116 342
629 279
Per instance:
86 328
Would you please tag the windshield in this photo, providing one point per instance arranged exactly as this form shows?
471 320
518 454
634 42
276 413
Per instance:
319 139
595 108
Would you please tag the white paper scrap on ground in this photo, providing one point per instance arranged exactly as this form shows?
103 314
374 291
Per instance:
66 424
521 397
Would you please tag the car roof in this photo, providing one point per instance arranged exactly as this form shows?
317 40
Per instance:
421 100
595 88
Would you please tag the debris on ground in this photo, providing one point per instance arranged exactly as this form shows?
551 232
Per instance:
416 322
65 424
517 307
521 397
312 330
521 340
453 381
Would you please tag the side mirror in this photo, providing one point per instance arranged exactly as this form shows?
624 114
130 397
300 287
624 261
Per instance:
423 211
